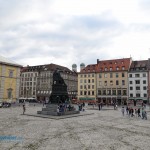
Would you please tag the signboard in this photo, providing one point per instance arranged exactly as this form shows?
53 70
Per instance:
139 103
133 103
130 103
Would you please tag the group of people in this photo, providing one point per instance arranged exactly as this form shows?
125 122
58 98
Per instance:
137 112
61 108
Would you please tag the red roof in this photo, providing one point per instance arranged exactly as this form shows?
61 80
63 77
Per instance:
113 65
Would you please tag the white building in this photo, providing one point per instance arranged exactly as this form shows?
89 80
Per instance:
138 81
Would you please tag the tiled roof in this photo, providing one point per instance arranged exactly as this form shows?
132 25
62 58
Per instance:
4 60
139 65
89 69
113 65
51 67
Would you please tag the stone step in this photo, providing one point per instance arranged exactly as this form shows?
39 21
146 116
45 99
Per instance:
49 109
48 113
51 106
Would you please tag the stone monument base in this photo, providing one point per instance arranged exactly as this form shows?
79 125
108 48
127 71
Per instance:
51 109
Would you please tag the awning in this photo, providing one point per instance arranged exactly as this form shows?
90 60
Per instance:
86 98
138 98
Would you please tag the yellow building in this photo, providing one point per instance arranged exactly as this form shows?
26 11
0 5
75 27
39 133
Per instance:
9 80
87 82
112 80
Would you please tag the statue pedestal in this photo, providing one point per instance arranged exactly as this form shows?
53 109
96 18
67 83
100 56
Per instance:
51 109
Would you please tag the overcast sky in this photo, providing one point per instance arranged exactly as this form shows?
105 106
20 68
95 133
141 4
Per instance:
34 32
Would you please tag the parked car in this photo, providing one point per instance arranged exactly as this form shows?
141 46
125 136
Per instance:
1 104
6 104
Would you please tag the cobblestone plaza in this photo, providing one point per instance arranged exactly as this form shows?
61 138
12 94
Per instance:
102 130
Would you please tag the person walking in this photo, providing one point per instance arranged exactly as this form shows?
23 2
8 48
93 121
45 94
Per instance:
24 108
99 106
122 110
127 110
138 111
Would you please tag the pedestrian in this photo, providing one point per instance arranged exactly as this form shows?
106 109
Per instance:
99 106
127 110
138 111
116 107
122 110
58 113
132 112
24 108
144 114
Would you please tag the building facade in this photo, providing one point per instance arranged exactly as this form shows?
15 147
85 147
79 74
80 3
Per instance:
36 81
139 81
9 80
112 80
87 82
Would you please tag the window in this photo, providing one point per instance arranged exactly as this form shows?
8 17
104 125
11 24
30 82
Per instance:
85 75
80 80
110 69
88 75
89 87
92 92
137 75
111 75
100 75
117 75
144 88
81 87
117 68
99 92
123 75
111 82
124 92
123 68
88 80
131 82
10 73
144 81
131 88
119 92
104 92
114 92
85 92
144 74
84 80
138 95
117 82
145 95
9 93
105 75
92 86
92 75
92 80
123 82
131 95
109 92
85 87
105 83
89 92
105 69
137 82
137 87
81 93
130 75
